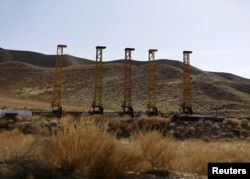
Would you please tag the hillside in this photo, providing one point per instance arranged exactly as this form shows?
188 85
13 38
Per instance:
39 59
28 83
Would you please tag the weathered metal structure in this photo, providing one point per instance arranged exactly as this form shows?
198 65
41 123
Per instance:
97 102
152 109
56 101
127 102
186 86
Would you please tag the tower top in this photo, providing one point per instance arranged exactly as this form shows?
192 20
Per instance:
61 45
187 51
100 47
152 50
129 49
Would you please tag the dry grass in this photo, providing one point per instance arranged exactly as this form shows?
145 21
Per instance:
22 153
92 152
155 123
14 144
158 151
86 149
232 121
193 155
129 126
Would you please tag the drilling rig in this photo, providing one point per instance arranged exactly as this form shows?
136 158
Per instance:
152 109
187 110
186 101
56 101
127 103
97 103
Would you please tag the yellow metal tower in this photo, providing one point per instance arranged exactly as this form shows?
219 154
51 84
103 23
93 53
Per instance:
56 101
97 103
186 102
127 103
152 109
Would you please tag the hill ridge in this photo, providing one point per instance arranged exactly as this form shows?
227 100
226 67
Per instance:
24 81
39 59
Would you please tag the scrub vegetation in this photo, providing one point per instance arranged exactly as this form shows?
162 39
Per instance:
86 148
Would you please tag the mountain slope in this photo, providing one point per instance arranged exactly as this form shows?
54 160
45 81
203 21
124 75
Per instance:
210 91
39 59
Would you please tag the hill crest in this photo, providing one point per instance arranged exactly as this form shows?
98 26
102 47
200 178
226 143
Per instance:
33 80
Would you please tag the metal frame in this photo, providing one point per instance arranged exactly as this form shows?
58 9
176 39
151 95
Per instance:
152 109
127 103
56 101
186 102
97 103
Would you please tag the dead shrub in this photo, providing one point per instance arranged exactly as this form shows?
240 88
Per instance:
233 122
153 123
93 152
216 126
23 152
158 151
244 123
89 151
18 118
13 143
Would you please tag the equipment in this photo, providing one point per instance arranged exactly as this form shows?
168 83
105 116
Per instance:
152 109
97 103
186 102
127 103
56 101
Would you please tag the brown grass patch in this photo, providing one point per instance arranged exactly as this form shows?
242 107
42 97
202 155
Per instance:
14 144
233 122
194 155
92 152
86 149
158 151
153 123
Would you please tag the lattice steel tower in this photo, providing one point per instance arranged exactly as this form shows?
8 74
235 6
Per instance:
152 109
186 102
97 103
56 101
127 103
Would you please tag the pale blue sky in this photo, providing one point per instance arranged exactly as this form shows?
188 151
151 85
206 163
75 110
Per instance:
217 31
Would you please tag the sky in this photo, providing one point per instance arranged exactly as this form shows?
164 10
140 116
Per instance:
217 31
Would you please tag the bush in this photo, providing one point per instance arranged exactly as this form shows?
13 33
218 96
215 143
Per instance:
92 152
193 155
158 151
87 150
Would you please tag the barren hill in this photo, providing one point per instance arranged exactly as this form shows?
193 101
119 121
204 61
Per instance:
39 59
29 82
